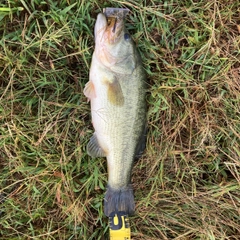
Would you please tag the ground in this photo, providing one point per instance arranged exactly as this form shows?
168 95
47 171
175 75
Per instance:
186 183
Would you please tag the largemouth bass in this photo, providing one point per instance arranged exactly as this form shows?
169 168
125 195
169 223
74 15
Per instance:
116 90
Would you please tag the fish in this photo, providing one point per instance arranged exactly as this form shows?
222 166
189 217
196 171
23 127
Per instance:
116 90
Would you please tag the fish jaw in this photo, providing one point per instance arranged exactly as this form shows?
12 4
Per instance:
109 29
100 27
108 33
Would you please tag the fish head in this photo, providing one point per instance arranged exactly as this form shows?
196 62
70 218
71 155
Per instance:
114 46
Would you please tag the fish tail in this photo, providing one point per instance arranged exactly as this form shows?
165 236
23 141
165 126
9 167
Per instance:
117 200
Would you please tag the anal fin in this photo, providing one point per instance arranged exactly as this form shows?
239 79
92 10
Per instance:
94 149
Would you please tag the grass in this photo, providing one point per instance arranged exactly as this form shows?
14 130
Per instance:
186 184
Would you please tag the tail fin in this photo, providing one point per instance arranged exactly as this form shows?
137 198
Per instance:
117 200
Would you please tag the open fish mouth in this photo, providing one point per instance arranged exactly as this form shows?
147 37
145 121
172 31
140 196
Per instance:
112 22
115 22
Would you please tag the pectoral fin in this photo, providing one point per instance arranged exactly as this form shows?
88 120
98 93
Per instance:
89 90
114 93
94 149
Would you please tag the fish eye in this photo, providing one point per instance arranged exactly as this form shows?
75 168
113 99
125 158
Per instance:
127 36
